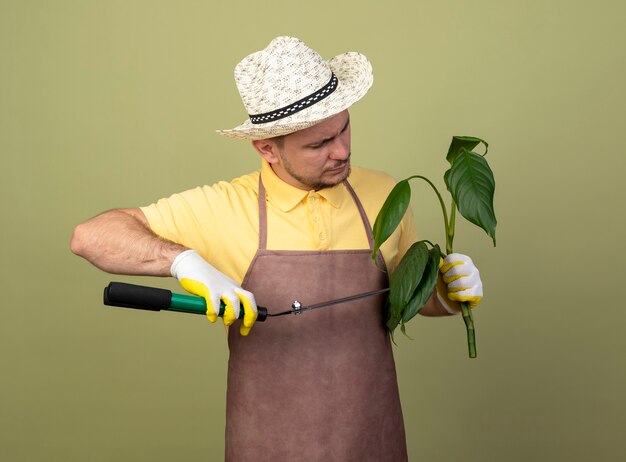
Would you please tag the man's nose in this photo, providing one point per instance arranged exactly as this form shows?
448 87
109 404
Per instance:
340 150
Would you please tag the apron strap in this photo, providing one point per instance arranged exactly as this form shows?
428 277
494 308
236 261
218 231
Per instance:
366 223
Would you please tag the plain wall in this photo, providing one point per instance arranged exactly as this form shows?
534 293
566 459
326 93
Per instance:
107 104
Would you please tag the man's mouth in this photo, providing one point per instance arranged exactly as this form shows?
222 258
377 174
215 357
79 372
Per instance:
340 168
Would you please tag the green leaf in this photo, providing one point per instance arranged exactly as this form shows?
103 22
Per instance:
460 143
404 281
403 329
391 214
426 286
393 319
408 274
471 183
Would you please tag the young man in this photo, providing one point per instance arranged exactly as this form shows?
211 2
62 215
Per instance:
321 386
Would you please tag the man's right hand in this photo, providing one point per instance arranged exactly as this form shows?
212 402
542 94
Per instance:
197 276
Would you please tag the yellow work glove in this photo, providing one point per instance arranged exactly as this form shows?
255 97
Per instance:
200 278
459 282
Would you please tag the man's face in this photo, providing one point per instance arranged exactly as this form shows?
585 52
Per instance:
316 157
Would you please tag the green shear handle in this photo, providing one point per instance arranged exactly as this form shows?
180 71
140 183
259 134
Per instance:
155 299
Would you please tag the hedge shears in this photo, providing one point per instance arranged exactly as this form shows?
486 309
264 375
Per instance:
156 299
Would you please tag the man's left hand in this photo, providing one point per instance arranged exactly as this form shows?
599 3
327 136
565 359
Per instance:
461 279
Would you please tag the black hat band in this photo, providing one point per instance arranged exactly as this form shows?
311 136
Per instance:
298 106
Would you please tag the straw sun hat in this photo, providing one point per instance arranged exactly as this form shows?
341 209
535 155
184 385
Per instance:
288 87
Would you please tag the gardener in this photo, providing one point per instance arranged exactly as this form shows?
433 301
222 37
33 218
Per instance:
322 385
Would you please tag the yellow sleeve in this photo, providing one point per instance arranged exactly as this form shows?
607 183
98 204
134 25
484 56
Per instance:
178 217
220 222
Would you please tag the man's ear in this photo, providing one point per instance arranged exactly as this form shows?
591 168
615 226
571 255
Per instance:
267 149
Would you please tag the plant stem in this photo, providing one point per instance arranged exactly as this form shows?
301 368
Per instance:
450 229
466 310
441 203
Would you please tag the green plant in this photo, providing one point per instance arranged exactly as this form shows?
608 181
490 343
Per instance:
471 184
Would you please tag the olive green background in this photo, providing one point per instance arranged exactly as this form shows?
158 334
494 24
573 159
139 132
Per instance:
108 104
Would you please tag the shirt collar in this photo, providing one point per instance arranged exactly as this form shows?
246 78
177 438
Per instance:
286 197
